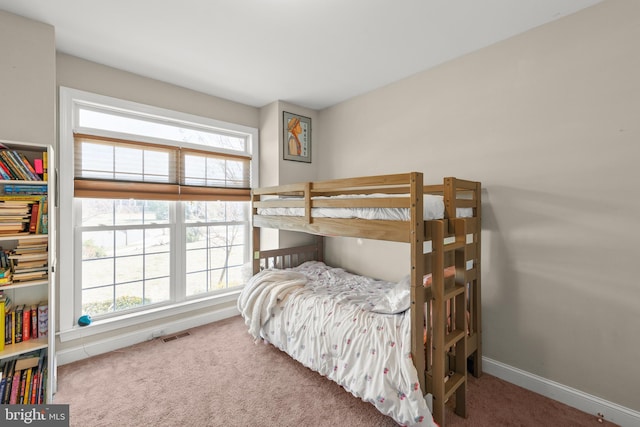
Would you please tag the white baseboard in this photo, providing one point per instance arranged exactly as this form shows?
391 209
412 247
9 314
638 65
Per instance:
94 348
590 404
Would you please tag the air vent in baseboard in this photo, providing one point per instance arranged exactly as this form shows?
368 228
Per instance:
175 337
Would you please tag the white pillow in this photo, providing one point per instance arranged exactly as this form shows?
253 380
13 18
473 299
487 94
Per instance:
396 300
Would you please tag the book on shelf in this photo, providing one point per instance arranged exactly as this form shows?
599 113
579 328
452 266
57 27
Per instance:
18 168
26 323
29 276
31 172
17 189
6 373
6 275
18 323
31 249
28 256
20 220
6 167
20 214
17 201
27 389
37 165
45 166
15 165
10 163
25 250
9 217
4 262
3 300
33 223
4 172
39 241
24 382
29 260
43 319
8 326
34 321
12 228
43 217
34 324
14 208
24 379
36 382
15 387
8 381
13 326
5 321
30 266
8 339
29 253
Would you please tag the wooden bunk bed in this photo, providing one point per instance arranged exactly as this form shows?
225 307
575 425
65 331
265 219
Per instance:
445 316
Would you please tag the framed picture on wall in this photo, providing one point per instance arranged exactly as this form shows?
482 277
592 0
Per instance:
296 137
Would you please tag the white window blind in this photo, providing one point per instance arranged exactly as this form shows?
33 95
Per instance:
107 167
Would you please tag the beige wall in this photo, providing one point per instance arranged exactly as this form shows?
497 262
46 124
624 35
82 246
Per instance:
27 80
89 76
549 121
274 170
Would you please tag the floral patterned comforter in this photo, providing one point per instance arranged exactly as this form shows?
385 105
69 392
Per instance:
328 326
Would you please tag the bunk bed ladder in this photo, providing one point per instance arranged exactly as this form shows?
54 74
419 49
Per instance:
470 197
448 372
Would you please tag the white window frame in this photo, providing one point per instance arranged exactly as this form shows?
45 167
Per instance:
69 296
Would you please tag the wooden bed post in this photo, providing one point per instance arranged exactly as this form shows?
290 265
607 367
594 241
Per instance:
477 314
450 205
458 302
417 274
438 317
320 246
255 240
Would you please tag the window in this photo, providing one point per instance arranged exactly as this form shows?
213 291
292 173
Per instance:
158 206
216 236
125 254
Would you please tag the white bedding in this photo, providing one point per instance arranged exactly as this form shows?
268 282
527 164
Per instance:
433 209
328 325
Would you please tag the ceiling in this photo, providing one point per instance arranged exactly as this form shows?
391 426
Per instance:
312 53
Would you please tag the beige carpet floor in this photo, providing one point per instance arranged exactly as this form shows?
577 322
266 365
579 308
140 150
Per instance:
217 376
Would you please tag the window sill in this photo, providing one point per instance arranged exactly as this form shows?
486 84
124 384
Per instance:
132 319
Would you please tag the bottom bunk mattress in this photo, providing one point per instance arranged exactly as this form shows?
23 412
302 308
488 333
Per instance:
352 329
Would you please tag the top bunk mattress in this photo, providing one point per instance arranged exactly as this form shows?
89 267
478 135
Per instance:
433 209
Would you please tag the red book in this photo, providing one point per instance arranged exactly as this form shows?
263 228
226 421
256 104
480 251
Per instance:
34 321
34 387
15 388
37 165
26 324
33 223
6 173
